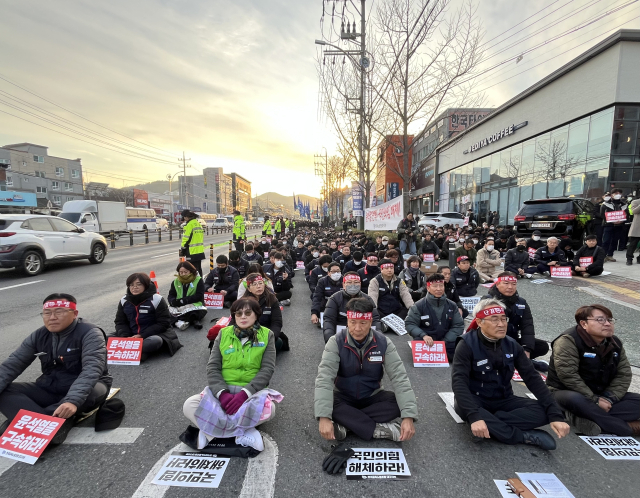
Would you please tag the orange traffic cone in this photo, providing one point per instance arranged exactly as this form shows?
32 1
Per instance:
152 276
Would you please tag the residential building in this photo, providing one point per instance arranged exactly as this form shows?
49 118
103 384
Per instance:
241 193
213 192
389 183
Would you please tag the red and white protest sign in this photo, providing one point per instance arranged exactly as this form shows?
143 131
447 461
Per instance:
266 255
466 221
428 258
124 351
28 435
299 265
532 252
560 271
586 261
213 300
613 216
516 376
429 356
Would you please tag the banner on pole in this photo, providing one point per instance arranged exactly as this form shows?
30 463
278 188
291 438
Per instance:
384 216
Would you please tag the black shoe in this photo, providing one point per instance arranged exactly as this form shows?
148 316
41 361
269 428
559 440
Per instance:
62 434
629 262
197 324
540 366
537 437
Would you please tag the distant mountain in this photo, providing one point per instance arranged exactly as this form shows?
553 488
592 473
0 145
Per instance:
158 187
286 201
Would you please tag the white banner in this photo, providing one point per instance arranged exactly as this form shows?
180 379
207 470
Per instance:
385 216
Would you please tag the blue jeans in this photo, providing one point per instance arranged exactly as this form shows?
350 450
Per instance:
412 247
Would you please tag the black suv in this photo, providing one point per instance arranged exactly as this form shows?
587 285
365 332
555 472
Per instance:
562 217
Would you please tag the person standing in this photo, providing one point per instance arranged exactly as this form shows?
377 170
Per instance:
596 218
634 231
239 235
266 228
406 233
192 240
612 229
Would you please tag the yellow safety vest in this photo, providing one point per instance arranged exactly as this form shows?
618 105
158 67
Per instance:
193 237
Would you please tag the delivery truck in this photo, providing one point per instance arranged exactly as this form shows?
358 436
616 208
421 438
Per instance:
96 216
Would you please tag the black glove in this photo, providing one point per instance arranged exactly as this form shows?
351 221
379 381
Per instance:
181 252
337 459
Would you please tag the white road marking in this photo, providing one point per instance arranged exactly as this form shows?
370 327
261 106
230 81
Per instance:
88 435
20 285
162 255
448 401
6 464
149 490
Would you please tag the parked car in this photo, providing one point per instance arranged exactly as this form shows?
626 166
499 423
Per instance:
30 242
441 219
557 217
221 223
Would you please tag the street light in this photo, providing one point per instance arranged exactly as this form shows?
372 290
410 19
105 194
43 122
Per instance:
170 178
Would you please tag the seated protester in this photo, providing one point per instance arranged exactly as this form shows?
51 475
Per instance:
517 260
369 272
590 375
534 242
251 255
465 278
348 389
271 316
143 313
467 249
548 256
589 259
280 276
186 298
240 367
239 264
300 250
77 383
319 272
566 244
488 263
398 262
343 257
335 313
242 288
501 242
355 263
369 245
381 243
223 279
390 294
264 247
414 277
315 262
451 292
429 247
435 318
393 245
512 242
310 254
520 326
483 367
327 287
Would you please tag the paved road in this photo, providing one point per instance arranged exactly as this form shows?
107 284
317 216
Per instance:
442 458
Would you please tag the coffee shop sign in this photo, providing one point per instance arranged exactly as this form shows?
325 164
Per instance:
510 130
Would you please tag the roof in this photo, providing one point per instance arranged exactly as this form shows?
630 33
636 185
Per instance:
24 143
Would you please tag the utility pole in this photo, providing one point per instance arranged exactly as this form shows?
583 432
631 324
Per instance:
183 197
318 164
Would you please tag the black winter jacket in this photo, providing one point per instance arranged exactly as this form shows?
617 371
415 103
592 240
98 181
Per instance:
324 290
466 283
515 260
335 313
228 280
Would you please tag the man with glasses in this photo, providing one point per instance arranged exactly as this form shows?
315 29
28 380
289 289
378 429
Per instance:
590 375
483 366
73 358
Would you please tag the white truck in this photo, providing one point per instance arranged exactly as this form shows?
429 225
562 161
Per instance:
96 216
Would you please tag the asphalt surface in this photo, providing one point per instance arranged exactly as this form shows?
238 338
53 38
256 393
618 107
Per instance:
443 460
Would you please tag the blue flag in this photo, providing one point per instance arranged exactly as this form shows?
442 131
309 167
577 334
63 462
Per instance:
295 206
300 206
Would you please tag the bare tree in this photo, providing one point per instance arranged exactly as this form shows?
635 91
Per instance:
555 162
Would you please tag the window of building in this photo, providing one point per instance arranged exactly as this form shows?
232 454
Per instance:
55 186
59 171
41 190
577 143
40 174
57 200
599 146
624 137
69 198
628 113
75 173
38 159
25 180
9 181
68 186
5 161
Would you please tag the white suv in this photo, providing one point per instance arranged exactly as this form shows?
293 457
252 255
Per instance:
441 219
29 242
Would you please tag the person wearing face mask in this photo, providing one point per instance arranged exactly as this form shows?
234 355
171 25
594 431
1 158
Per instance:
597 219
223 279
549 255
280 276
355 263
488 264
384 244
534 242
390 294
451 292
429 247
318 272
589 259
186 297
264 247
311 260
335 313
634 231
252 255
343 257
369 272
435 317
326 287
414 277
238 263
612 229
517 260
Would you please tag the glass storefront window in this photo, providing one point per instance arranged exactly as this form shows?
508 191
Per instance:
516 165
495 167
556 187
595 184
505 164
493 200
540 190
540 165
578 140
622 170
528 158
624 137
485 164
503 205
526 193
574 185
599 146
628 113
514 203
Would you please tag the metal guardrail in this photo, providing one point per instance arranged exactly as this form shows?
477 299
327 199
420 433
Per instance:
113 236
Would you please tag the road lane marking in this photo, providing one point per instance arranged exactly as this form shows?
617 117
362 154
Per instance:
88 435
20 285
162 255
149 490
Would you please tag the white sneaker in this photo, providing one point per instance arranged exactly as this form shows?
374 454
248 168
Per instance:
251 437
182 325
527 275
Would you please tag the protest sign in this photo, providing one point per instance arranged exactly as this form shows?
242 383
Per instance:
540 281
517 378
266 255
299 265
28 435
192 470
469 303
532 252
428 258
384 216
377 463
614 447
586 261
429 356
395 323
613 216
544 485
124 351
213 300
560 271
449 400
466 221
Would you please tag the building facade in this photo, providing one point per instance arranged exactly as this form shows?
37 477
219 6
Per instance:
241 193
28 167
215 192
574 133
389 183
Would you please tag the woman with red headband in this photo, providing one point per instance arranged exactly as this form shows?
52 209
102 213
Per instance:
483 366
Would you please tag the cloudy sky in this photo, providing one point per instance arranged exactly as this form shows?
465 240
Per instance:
233 84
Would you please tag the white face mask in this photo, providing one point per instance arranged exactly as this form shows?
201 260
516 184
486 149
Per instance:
316 254
336 276
489 248
385 242
279 264
325 269
617 197
607 198
357 263
491 227
536 237
475 241
306 241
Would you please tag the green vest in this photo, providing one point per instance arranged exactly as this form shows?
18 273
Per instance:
190 291
241 363
238 227
267 227
286 224
193 230
278 229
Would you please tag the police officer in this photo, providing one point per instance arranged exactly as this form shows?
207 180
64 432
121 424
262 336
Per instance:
266 228
238 231
192 240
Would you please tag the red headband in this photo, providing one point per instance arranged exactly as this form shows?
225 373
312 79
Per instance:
351 278
59 304
386 265
370 258
506 278
435 282
496 310
357 315
257 278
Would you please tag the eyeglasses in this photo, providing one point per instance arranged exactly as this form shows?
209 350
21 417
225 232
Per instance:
601 320
56 313
496 320
241 313
136 284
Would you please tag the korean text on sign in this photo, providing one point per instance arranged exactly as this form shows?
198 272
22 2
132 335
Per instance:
299 265
370 463
428 258
614 447
532 252
125 351
28 435
613 216
213 300
429 356
561 271
192 470
586 261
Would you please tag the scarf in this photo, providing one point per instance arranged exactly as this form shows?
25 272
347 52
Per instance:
602 349
251 334
186 279
413 271
508 300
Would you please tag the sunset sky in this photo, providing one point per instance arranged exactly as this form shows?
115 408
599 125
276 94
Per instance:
233 84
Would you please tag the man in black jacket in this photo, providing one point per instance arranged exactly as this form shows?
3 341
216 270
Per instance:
73 356
252 255
465 278
612 229
319 271
451 292
281 278
238 263
327 286
407 230
517 260
589 259
369 272
223 279
429 247
548 256
483 366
